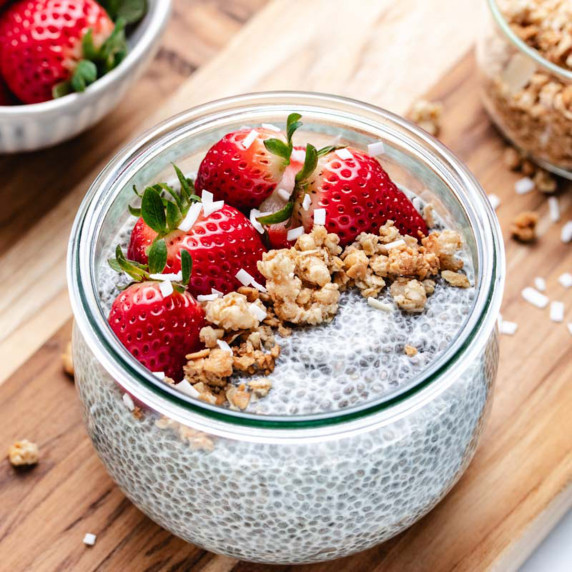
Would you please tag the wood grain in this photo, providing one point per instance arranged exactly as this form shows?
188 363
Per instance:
520 478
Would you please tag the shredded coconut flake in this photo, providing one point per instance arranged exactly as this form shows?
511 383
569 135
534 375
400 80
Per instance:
159 375
524 185
379 305
306 202
167 277
565 280
207 197
217 292
566 234
395 244
508 328
210 208
207 297
250 139
244 277
540 284
284 194
554 209
320 216
191 218
254 214
535 298
557 311
128 402
166 288
89 539
258 312
186 388
224 346
298 155
376 149
271 127
295 233
494 200
344 154
258 286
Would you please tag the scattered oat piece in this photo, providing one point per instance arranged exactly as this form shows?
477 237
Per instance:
534 297
566 234
23 453
565 280
554 209
427 115
508 328
527 168
410 350
89 539
456 279
494 200
557 311
523 227
409 295
524 186
260 387
238 396
67 360
429 215
545 182
540 284
512 158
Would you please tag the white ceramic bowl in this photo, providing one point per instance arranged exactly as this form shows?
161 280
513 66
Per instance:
32 127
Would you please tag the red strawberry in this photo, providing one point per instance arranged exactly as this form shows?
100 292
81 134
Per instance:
158 330
243 171
220 243
356 193
45 48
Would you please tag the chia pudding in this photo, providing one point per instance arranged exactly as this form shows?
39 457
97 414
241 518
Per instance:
332 392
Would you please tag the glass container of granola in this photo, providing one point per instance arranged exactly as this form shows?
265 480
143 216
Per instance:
524 54
321 477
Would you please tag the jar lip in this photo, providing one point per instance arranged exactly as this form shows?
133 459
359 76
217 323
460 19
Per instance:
135 378
523 46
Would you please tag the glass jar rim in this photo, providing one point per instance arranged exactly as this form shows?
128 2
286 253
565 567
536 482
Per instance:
136 379
524 47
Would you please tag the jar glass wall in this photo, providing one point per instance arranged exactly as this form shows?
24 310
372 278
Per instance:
287 489
528 97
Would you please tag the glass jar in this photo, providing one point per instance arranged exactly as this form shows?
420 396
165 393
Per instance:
301 488
528 97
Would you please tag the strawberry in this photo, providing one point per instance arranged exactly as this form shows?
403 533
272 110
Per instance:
49 48
243 171
354 190
158 329
221 241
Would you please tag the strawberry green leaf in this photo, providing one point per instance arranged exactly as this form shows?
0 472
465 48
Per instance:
114 49
279 216
135 211
115 265
159 187
279 148
292 124
134 270
84 74
185 186
326 150
157 255
310 163
186 266
174 216
130 10
89 50
136 191
61 89
153 211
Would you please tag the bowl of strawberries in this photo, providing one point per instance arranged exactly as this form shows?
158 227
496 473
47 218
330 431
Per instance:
65 64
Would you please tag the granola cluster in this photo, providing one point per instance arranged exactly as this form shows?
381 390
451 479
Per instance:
532 105
543 180
523 227
427 114
238 341
23 453
302 281
373 260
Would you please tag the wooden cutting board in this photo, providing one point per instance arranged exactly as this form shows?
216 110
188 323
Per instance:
387 53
